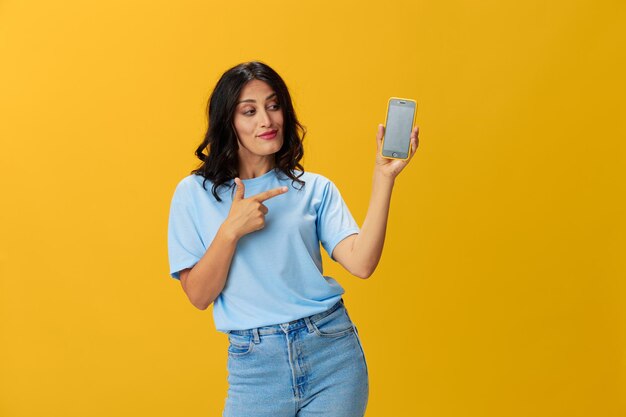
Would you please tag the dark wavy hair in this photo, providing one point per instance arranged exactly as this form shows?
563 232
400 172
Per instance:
220 164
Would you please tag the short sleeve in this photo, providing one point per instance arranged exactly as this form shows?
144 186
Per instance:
334 220
183 238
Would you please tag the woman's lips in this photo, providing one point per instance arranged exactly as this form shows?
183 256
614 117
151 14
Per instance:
270 135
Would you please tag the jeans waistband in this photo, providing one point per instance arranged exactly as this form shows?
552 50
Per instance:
287 327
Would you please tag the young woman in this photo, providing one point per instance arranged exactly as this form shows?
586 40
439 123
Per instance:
244 234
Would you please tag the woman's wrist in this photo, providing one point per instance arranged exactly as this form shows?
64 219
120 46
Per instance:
381 176
226 233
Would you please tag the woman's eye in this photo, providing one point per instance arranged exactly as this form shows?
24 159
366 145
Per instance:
252 111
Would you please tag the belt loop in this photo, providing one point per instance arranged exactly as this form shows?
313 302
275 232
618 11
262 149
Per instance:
309 325
255 335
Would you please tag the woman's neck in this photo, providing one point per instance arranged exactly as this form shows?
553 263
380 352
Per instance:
255 169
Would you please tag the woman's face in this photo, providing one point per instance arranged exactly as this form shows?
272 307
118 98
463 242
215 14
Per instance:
258 121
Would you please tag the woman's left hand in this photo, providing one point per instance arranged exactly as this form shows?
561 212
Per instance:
392 167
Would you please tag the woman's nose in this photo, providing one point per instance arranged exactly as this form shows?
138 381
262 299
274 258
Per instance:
265 118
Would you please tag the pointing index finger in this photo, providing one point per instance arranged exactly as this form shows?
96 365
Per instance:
266 195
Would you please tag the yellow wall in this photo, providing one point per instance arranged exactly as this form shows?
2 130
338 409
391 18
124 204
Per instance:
501 290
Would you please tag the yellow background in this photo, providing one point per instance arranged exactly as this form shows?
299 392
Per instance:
501 289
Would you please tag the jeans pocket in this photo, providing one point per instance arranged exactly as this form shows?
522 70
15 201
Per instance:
239 345
336 324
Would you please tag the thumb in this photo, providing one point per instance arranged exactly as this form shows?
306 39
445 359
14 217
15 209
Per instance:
239 193
379 135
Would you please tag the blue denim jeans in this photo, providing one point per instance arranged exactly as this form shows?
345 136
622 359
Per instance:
314 366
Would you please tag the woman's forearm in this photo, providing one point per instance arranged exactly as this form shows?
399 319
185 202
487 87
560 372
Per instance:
206 280
368 245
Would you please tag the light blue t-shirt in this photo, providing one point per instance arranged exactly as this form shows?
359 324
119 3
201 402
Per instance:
276 273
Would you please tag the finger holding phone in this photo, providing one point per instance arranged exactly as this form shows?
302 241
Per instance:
397 140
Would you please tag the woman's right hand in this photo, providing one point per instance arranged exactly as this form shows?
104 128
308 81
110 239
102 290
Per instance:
248 214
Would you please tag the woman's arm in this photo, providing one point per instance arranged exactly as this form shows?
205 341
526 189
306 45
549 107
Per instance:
360 253
206 280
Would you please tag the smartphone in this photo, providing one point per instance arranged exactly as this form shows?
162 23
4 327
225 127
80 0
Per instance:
398 126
